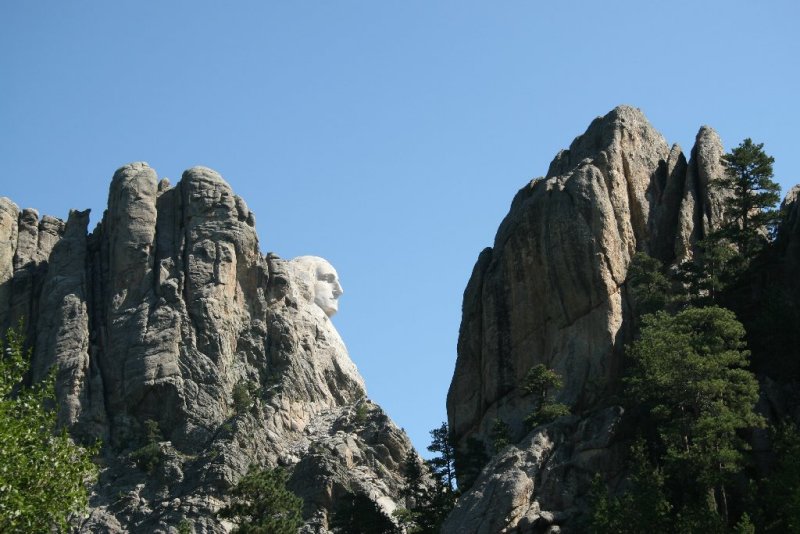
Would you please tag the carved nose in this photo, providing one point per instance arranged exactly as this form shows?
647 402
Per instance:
337 290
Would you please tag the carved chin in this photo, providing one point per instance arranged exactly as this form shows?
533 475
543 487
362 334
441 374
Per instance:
329 307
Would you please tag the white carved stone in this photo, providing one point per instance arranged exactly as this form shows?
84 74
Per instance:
322 282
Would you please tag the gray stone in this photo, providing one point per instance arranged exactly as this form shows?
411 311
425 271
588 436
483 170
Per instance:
159 314
9 230
552 291
535 484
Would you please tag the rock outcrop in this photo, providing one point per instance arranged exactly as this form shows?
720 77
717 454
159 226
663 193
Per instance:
167 312
552 291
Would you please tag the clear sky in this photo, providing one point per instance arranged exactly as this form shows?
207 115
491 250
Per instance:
386 136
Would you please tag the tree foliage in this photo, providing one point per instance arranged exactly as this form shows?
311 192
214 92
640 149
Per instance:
413 477
540 381
779 493
148 456
43 474
242 397
428 504
469 462
647 284
358 514
715 266
750 209
442 464
689 372
749 197
261 504
500 434
644 507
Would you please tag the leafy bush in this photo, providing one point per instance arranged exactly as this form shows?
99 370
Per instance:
43 474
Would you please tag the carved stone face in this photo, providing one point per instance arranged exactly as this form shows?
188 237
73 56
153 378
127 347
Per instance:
323 282
327 289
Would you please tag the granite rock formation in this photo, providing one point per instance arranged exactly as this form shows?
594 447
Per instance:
552 290
168 312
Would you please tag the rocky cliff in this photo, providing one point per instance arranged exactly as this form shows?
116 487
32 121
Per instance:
552 291
166 312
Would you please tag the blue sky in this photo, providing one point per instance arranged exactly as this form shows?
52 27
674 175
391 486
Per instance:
388 137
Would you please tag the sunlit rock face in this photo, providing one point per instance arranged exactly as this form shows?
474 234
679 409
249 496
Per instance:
168 311
321 281
552 291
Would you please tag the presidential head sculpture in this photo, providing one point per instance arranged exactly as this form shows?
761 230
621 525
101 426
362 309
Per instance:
321 281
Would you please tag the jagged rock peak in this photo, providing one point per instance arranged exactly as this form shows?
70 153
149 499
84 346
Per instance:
552 291
604 132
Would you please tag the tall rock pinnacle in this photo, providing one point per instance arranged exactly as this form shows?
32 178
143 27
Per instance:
552 291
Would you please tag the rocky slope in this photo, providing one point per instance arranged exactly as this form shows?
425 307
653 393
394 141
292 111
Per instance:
161 314
552 291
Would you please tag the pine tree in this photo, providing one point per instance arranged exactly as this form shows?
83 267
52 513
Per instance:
750 210
469 462
500 435
642 508
647 284
540 381
690 373
780 491
262 504
414 487
443 464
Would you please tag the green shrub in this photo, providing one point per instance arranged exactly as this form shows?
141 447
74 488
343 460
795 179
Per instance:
242 400
539 381
547 412
43 474
261 503
500 435
185 527
148 456
362 411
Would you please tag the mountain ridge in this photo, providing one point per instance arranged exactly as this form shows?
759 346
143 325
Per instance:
158 316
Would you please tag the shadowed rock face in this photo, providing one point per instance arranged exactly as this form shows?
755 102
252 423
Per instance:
159 314
552 291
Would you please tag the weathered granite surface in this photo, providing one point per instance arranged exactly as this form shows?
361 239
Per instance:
160 314
552 291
